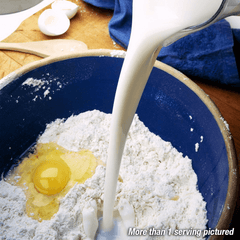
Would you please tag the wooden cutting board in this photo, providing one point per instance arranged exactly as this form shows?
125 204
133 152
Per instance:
90 25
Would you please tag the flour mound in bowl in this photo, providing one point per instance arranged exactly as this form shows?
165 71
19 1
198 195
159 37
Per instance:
155 179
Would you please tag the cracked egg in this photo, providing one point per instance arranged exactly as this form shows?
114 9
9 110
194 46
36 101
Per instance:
48 174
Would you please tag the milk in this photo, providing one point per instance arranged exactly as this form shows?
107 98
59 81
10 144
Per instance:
153 22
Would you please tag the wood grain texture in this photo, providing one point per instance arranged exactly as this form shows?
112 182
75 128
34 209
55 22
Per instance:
90 25
228 103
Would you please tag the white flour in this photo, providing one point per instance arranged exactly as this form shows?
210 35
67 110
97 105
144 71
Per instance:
42 88
158 182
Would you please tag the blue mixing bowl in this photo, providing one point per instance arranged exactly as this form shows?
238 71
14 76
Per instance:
170 106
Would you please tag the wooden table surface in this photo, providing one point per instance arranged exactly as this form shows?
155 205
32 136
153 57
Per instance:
90 25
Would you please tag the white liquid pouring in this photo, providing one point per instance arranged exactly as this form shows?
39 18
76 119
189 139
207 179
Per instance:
153 22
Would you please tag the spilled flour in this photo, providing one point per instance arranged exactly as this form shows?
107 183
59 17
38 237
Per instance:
42 88
155 179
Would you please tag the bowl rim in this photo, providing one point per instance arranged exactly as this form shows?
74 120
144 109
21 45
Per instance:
233 183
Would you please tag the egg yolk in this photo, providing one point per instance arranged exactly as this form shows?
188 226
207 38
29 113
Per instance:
47 174
51 177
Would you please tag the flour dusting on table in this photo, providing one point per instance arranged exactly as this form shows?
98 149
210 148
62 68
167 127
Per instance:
156 180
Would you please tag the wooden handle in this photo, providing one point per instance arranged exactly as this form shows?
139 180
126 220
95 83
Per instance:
46 48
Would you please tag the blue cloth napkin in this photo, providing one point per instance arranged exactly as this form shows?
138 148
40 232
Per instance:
207 54
107 4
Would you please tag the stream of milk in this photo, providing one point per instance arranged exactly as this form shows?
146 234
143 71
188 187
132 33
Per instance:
153 22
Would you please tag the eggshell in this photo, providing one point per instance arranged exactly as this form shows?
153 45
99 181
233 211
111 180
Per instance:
53 23
69 8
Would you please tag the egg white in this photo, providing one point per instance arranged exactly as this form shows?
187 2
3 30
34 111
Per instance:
53 22
69 8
